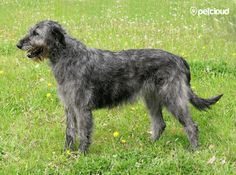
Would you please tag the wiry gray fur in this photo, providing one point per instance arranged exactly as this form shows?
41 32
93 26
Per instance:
90 78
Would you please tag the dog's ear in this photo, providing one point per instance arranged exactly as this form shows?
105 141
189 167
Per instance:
58 34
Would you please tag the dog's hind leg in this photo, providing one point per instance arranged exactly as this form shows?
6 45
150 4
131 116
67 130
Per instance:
183 116
177 104
70 129
85 126
155 111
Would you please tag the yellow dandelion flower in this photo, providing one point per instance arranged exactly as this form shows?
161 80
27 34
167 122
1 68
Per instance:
1 72
68 152
116 134
49 95
203 47
49 84
123 141
133 108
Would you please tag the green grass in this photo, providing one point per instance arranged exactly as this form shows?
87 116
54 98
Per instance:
32 126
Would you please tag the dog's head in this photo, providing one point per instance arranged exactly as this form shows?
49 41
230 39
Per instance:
41 38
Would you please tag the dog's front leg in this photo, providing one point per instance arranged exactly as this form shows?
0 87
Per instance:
85 125
70 129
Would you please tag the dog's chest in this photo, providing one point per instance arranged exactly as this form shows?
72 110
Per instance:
64 72
66 93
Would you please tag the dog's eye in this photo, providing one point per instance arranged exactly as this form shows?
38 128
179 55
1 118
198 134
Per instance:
35 33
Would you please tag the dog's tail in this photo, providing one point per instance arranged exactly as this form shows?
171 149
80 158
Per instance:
201 103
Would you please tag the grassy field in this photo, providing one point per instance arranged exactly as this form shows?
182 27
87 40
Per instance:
32 123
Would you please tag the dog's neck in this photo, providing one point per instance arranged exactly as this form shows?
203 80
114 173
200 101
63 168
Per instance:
60 51
62 55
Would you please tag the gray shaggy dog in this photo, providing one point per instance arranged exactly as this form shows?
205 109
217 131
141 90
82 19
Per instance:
91 78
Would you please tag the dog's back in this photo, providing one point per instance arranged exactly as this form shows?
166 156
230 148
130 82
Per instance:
117 77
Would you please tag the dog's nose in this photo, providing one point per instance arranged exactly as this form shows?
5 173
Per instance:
19 45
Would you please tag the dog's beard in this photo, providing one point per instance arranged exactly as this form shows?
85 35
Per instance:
37 54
